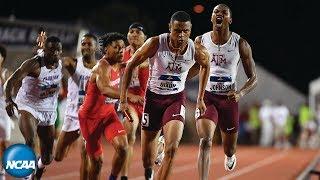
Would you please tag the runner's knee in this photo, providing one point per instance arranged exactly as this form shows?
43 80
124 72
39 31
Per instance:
131 139
122 149
206 143
171 149
83 151
96 163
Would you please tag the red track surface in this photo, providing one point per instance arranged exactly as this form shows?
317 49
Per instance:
252 163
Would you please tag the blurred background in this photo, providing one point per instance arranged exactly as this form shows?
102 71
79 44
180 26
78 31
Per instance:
284 109
280 34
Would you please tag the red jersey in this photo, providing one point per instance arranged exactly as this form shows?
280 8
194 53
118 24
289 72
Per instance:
96 106
138 84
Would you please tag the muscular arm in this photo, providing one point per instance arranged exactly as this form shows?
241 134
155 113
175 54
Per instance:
249 67
28 67
5 74
103 80
69 64
194 70
202 58
148 49
145 64
101 75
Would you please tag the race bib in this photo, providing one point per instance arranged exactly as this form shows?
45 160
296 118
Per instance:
169 82
48 90
135 79
110 100
221 84
145 120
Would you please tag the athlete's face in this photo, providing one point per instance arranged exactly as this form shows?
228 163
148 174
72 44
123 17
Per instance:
221 16
179 33
136 37
114 51
88 46
53 50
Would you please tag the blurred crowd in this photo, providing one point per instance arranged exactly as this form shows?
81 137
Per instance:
272 124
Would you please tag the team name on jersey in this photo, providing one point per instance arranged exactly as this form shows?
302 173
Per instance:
219 59
165 54
221 87
83 77
169 85
174 67
50 78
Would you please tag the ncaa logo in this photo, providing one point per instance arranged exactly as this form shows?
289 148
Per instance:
19 160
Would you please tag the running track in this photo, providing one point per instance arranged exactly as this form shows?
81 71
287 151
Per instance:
253 163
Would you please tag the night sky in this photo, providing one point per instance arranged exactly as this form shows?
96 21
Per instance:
282 34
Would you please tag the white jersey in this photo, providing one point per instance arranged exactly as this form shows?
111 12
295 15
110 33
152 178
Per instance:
168 73
41 93
76 89
224 61
5 121
2 101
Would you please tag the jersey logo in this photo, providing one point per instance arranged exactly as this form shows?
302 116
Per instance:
220 78
169 78
219 59
174 67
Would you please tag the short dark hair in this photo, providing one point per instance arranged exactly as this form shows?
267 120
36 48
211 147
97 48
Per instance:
226 6
52 39
138 26
181 16
108 38
90 35
3 52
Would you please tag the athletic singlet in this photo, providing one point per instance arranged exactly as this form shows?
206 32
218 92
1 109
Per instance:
76 88
41 93
138 83
167 72
224 61
114 82
135 78
94 105
2 99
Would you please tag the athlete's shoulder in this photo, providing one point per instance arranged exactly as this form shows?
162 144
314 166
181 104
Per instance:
126 49
69 59
103 62
235 34
198 39
150 47
30 66
207 34
243 43
102 65
153 40
34 62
